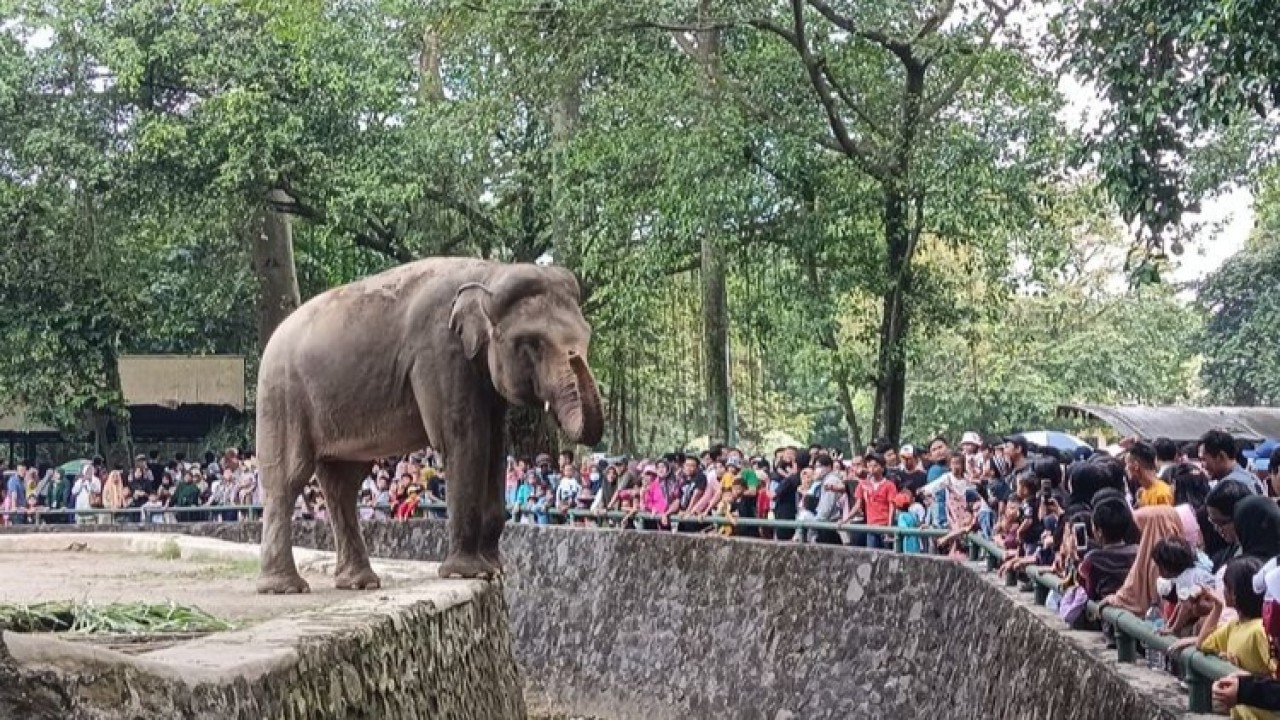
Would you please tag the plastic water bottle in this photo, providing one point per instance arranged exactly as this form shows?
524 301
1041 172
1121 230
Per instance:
1154 618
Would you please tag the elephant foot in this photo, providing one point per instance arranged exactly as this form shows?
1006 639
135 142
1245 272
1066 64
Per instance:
282 584
493 559
361 579
463 565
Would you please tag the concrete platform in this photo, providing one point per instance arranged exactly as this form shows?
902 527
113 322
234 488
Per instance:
419 647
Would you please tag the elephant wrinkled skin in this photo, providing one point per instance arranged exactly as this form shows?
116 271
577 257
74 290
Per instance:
428 353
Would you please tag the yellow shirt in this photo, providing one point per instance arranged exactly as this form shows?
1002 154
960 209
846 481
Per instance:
1247 641
1158 494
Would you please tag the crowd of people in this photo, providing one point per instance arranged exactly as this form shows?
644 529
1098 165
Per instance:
1187 537
171 491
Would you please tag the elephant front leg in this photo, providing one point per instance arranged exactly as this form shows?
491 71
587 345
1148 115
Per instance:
468 497
494 502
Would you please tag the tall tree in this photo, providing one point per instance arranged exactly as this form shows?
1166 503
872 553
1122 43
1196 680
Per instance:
1241 358
886 82
1191 95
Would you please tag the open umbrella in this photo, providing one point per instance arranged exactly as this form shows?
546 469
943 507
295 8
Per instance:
1054 439
1261 455
73 468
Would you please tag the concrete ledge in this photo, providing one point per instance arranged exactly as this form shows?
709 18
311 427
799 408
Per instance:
422 643
656 626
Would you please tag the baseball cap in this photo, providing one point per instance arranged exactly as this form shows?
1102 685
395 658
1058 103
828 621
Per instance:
971 437
907 451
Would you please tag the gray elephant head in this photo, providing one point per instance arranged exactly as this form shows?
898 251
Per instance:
527 321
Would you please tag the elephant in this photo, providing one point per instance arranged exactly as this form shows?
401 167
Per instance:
429 353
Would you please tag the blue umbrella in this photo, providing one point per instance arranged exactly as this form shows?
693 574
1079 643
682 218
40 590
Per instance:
1054 439
1261 455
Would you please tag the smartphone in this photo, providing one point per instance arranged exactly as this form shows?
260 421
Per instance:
1082 534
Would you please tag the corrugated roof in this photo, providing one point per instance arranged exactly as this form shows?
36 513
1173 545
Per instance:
1183 424
17 421
175 380
167 381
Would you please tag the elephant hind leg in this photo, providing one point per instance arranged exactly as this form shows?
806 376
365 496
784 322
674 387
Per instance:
282 481
340 482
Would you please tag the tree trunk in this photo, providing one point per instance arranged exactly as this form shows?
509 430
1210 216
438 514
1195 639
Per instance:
565 113
273 264
853 432
715 338
715 303
430 82
892 365
900 235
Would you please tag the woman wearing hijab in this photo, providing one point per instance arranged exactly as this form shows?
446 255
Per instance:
1257 523
1138 593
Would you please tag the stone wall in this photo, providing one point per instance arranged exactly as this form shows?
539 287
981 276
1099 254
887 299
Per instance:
423 659
648 626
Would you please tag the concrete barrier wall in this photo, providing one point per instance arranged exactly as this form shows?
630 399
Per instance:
426 660
648 626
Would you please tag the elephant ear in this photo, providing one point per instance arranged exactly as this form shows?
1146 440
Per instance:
469 318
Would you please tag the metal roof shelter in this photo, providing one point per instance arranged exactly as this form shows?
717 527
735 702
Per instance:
170 398
1183 424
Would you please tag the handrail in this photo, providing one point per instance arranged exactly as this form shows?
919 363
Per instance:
1200 669
572 514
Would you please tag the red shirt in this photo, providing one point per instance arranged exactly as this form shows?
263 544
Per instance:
877 500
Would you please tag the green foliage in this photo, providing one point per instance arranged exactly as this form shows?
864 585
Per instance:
110 619
1241 358
139 143
1189 85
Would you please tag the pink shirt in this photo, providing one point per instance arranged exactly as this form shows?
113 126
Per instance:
655 498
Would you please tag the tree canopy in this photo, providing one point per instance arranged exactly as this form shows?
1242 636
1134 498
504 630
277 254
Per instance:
786 217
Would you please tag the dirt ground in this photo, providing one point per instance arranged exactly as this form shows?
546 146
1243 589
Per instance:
223 588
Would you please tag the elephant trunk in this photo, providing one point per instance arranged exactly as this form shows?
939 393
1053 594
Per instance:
579 410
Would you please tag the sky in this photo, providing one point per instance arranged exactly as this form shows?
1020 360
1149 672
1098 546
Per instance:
1226 219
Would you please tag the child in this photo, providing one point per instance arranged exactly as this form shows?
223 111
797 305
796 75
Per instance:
1242 642
366 504
910 516
1181 579
631 506
740 505
541 502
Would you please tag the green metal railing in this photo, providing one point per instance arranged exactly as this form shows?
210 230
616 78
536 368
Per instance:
112 515
253 512
1199 670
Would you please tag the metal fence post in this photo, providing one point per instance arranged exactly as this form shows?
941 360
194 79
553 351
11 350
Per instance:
1126 646
1042 593
1199 691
